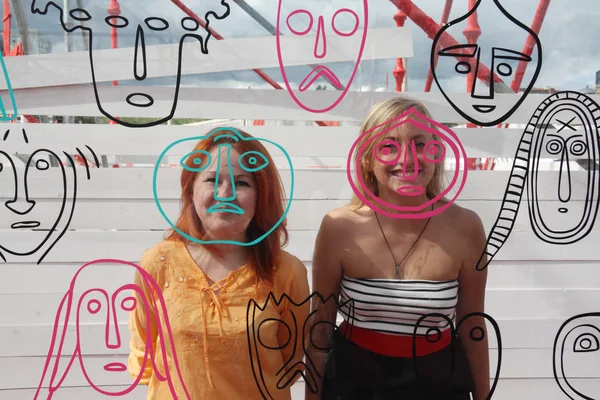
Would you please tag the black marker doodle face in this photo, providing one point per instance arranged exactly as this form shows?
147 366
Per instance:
577 351
20 204
452 369
564 128
155 27
263 325
483 109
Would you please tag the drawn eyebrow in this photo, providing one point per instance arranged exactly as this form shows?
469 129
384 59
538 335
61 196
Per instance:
449 51
577 135
516 55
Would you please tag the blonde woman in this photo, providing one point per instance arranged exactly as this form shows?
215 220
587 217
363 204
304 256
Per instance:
402 251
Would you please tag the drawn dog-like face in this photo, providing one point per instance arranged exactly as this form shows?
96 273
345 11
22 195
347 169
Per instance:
404 152
574 136
20 207
577 354
153 30
224 192
98 305
348 24
265 329
482 107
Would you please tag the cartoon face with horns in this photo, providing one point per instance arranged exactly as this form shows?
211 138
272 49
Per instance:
81 305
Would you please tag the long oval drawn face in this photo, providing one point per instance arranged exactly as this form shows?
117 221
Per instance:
566 132
250 162
577 355
442 144
346 26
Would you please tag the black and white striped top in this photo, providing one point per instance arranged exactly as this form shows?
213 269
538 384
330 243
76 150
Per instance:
395 306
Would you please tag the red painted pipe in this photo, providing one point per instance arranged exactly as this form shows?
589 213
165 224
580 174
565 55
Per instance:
258 71
444 21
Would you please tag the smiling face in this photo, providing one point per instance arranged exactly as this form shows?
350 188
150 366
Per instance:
225 192
483 107
565 131
21 208
231 191
398 160
347 25
96 306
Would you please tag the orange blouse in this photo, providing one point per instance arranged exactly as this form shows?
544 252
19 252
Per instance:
209 327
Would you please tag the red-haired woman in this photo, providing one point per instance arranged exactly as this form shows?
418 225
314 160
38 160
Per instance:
208 275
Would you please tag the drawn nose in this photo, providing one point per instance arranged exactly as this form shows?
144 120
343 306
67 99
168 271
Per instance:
485 89
410 167
321 42
564 177
139 55
20 207
113 338
224 192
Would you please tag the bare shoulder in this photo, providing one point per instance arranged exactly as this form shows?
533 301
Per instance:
343 218
465 220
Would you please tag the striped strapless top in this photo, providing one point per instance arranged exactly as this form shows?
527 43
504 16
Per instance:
395 306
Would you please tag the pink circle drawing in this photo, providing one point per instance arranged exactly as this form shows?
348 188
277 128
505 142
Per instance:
435 151
355 33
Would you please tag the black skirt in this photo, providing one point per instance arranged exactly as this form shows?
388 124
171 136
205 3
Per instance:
354 373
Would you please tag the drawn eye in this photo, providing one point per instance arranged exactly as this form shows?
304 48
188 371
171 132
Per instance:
266 337
504 69
116 21
301 25
200 160
79 14
434 151
345 14
578 147
387 152
128 303
42 165
190 24
463 67
93 306
253 161
554 146
586 342
1 167
156 23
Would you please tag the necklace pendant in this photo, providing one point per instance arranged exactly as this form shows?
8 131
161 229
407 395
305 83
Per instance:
398 271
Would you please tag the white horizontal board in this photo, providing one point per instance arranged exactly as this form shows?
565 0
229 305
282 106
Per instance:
299 141
77 392
40 309
58 69
267 104
143 214
310 184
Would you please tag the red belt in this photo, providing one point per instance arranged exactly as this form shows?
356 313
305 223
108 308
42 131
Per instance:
395 345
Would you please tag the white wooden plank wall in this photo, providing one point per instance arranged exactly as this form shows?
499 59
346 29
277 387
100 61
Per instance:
533 287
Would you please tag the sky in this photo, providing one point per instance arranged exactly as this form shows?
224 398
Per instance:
570 53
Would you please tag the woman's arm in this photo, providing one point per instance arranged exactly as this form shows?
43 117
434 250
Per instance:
326 277
471 298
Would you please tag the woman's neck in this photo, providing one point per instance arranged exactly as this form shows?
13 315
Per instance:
402 200
231 256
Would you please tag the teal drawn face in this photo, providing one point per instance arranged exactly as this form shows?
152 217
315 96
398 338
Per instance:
223 163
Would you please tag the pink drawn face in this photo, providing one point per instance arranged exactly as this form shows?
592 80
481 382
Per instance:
347 25
402 158
95 305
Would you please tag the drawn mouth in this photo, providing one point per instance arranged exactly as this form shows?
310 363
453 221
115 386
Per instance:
563 210
484 109
411 190
139 100
315 74
25 225
227 207
115 367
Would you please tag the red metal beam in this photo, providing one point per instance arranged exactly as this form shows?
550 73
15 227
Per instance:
399 71
444 21
258 71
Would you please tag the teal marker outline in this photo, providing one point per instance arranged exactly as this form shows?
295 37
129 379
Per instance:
10 93
219 241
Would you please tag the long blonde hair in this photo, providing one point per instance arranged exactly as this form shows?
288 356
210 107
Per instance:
378 115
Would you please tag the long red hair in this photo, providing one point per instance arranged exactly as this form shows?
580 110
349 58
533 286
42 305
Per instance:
270 206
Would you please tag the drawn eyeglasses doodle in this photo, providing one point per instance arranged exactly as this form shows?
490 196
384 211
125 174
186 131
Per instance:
577 349
249 161
137 99
483 109
427 374
566 224
301 22
79 305
259 323
19 204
